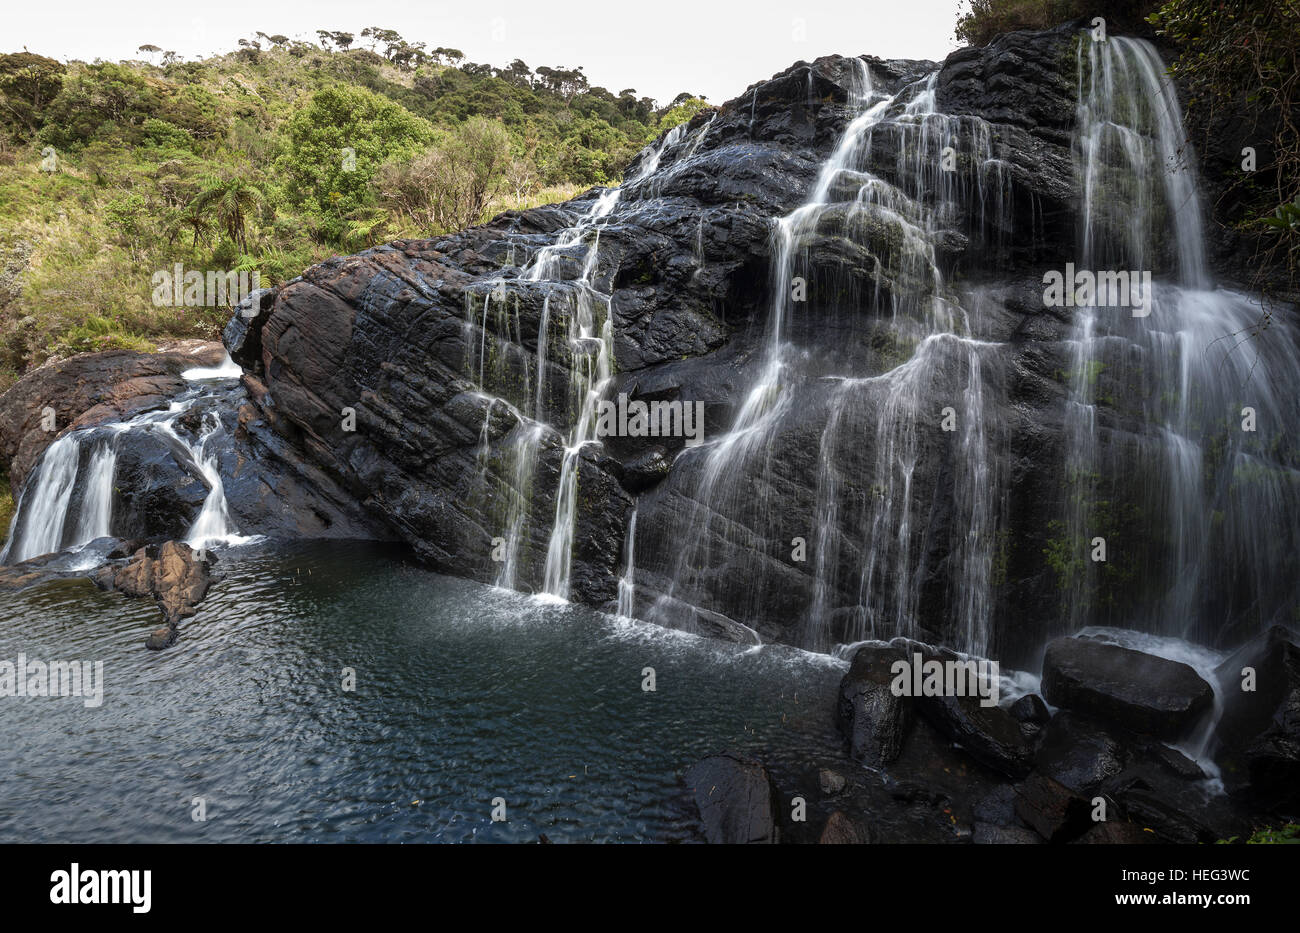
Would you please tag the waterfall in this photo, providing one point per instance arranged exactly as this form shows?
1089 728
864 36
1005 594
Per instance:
627 582
97 504
67 500
1200 505
566 274
213 525
863 529
38 523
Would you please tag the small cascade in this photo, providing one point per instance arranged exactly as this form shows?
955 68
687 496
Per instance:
68 500
627 582
97 504
562 285
213 525
41 517
1209 485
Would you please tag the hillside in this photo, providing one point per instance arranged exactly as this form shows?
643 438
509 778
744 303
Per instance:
269 158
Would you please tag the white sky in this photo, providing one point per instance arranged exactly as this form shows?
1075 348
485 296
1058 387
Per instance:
659 47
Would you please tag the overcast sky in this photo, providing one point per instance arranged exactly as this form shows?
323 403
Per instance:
659 47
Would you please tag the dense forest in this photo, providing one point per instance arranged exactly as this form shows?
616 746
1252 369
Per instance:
269 158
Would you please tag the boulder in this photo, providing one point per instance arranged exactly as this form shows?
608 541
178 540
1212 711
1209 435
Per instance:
1054 811
1256 742
735 799
988 734
1079 753
1030 710
873 720
1132 689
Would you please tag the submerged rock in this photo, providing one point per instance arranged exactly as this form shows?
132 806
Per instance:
842 830
735 799
830 782
1138 691
173 574
161 638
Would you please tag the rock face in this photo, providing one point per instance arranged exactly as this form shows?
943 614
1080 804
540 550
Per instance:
394 335
1138 691
414 375
735 799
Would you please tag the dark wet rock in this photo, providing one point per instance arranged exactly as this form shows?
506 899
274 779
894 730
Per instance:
735 799
1117 833
1168 821
1137 691
991 834
1030 709
645 469
89 389
1257 738
868 714
998 806
1079 753
987 733
1054 811
243 334
161 638
842 830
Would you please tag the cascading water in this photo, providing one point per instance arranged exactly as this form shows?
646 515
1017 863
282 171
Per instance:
880 209
627 582
68 500
565 274
1177 419
42 514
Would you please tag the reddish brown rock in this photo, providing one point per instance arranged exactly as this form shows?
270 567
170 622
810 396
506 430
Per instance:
840 830
176 577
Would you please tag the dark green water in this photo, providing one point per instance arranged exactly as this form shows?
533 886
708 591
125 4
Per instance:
463 694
